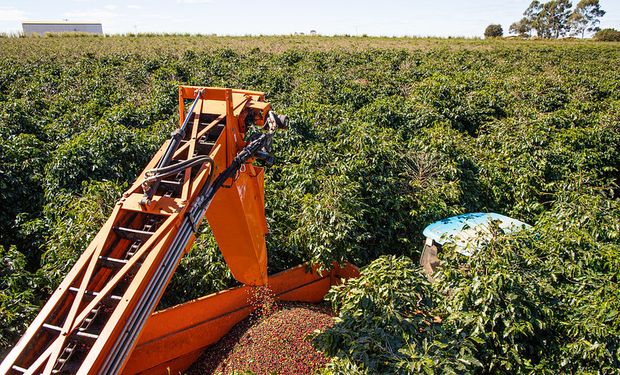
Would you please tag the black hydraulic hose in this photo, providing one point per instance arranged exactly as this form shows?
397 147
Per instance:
150 185
251 149
177 136
155 175
166 171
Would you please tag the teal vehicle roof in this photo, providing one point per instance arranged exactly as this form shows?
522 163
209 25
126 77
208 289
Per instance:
470 232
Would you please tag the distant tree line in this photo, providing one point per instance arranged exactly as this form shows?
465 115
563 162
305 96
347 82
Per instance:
556 18
607 35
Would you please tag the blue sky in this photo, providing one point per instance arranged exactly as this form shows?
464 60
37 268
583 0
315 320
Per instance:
240 17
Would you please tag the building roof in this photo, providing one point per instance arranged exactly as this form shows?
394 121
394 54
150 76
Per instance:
59 23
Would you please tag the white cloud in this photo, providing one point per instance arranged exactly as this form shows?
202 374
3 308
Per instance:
95 15
132 6
194 1
110 7
11 14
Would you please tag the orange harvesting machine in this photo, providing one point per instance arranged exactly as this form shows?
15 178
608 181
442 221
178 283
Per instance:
101 319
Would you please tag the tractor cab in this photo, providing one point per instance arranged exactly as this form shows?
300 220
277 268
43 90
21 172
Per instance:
468 233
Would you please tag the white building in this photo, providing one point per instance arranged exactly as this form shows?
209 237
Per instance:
61 27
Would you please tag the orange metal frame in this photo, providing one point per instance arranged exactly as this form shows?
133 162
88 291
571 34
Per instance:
87 316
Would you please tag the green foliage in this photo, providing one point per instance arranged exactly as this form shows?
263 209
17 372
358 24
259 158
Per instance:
493 31
20 291
607 35
385 324
543 300
101 152
497 299
521 28
580 244
22 159
387 135
539 301
72 221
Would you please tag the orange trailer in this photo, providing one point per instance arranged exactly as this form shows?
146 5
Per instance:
174 338
102 311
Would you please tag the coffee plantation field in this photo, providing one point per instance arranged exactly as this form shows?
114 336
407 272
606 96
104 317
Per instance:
387 135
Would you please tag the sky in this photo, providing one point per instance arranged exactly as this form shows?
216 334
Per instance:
241 17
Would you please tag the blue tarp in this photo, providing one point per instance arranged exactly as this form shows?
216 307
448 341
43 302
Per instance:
470 232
